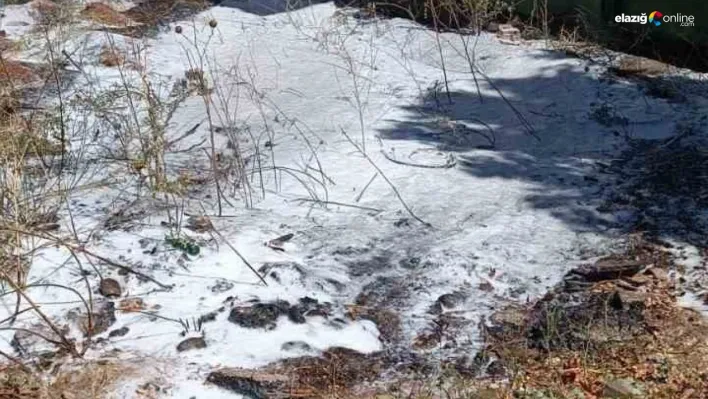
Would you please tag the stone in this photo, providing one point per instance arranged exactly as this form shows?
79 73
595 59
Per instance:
451 300
486 286
608 268
120 332
199 224
310 307
632 65
496 369
191 343
623 299
509 33
260 315
623 388
265 315
640 280
252 384
296 346
109 288
221 286
493 27
659 274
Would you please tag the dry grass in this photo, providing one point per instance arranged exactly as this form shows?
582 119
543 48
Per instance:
110 57
18 140
156 11
9 102
641 334
16 72
7 44
90 380
105 14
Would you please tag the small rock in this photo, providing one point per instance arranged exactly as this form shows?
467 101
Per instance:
265 315
623 299
200 224
450 300
296 315
659 274
436 308
410 263
623 388
486 286
496 368
110 288
221 286
121 332
312 307
639 280
509 33
249 383
403 222
296 346
191 343
260 315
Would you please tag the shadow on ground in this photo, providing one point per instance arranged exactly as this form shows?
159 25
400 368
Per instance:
267 7
572 135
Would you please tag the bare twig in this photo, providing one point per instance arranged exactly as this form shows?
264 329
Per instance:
361 194
395 190
218 233
366 208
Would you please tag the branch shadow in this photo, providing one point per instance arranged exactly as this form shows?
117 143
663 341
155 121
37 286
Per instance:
267 7
563 129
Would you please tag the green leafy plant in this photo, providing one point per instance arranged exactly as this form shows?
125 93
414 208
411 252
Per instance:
184 244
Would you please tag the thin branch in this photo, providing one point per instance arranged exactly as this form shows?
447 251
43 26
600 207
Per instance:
361 194
366 208
240 256
395 190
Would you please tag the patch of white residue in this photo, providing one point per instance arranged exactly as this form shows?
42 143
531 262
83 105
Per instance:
508 221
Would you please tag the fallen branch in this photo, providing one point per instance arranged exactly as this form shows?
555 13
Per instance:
122 267
366 208
240 256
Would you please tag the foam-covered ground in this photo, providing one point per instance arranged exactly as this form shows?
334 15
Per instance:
507 221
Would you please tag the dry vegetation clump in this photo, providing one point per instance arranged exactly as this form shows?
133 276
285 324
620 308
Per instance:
162 11
104 14
9 102
18 141
45 10
91 380
111 57
6 44
48 13
16 72
443 14
609 327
